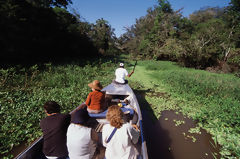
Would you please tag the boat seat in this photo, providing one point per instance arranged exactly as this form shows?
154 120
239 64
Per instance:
103 114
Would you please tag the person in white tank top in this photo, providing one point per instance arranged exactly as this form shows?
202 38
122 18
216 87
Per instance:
81 139
121 73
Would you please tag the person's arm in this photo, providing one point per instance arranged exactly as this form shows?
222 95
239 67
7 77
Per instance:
88 100
134 133
135 127
104 135
129 75
94 135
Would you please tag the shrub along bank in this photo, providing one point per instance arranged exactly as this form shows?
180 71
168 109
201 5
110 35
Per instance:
213 100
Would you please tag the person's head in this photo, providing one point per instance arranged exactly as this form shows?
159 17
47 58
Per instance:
115 116
121 65
81 116
95 85
51 107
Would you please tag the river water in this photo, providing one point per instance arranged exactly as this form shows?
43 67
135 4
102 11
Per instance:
165 140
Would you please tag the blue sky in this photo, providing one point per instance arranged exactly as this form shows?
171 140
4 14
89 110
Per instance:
123 13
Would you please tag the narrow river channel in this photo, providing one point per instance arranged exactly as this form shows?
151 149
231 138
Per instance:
168 140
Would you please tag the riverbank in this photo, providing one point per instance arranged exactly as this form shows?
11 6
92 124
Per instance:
210 99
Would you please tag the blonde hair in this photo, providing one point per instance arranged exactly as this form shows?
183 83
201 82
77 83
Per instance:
115 116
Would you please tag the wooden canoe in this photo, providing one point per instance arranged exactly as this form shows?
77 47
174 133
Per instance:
115 94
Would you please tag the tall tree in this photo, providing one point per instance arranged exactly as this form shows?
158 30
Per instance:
31 32
164 6
50 3
232 54
205 14
102 34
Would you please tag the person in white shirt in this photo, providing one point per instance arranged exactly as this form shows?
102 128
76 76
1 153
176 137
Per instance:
121 73
81 139
121 144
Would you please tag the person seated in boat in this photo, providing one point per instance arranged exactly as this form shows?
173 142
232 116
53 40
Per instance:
118 137
54 128
81 138
96 99
121 73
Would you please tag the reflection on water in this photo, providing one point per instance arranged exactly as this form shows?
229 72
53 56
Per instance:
165 140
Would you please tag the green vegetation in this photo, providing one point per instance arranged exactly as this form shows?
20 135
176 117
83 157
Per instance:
213 100
210 99
24 91
208 38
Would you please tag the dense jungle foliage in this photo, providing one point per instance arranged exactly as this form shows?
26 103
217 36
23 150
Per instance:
44 30
208 39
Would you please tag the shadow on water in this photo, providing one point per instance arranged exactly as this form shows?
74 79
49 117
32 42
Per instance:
157 139
165 140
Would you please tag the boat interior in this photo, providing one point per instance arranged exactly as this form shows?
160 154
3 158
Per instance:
97 121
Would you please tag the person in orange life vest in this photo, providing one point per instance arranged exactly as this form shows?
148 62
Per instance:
96 99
